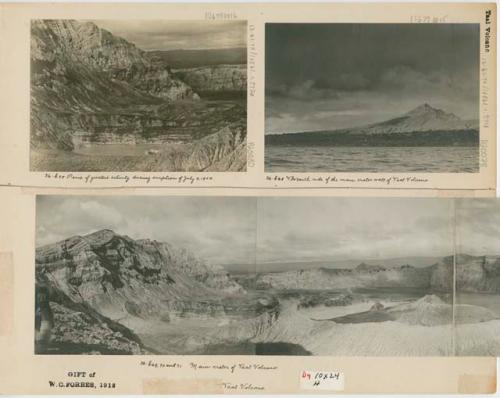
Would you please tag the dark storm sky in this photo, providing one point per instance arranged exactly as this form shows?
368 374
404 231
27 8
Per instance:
327 76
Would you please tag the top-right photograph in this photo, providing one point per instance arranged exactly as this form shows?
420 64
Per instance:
372 98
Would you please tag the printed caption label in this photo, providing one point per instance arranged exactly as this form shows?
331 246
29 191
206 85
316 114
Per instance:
321 380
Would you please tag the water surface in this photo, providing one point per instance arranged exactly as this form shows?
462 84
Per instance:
371 159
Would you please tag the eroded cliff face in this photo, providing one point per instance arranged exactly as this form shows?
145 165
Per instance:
67 326
61 44
442 275
89 86
166 123
144 287
118 276
81 71
76 332
478 274
473 274
218 78
224 150
378 277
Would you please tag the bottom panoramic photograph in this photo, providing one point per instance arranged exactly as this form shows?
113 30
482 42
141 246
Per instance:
139 275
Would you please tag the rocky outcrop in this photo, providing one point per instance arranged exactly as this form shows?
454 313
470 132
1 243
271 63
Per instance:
80 72
168 123
318 299
442 275
158 82
472 274
82 41
211 79
111 294
324 278
60 44
363 267
89 86
222 151
76 332
120 277
478 274
66 326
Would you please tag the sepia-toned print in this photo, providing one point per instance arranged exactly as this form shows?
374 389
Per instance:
378 97
131 95
260 276
139 275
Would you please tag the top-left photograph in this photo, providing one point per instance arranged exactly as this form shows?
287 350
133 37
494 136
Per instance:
138 95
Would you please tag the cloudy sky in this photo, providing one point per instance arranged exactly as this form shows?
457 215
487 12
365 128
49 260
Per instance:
299 229
329 76
178 35
220 230
223 230
478 226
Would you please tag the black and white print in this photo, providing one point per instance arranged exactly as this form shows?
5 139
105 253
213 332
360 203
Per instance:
267 276
351 97
133 95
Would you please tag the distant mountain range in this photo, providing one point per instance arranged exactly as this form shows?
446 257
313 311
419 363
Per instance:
181 59
269 267
422 126
472 274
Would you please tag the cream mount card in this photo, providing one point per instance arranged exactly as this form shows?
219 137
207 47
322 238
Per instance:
364 96
149 293
253 116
